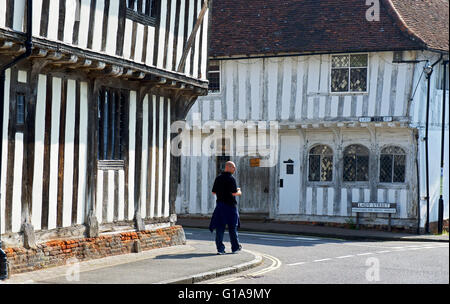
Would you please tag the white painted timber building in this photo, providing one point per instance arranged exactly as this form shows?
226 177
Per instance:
87 112
349 96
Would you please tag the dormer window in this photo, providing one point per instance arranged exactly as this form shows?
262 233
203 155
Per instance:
143 11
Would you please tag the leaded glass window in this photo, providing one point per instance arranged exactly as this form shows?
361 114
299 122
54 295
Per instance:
392 165
356 164
320 164
349 73
214 77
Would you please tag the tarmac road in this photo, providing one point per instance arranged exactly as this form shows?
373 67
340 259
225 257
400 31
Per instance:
290 259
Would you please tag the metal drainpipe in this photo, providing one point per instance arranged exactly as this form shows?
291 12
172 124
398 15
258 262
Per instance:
441 199
28 49
428 72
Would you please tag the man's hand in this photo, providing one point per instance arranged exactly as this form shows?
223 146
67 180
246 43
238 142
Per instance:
238 193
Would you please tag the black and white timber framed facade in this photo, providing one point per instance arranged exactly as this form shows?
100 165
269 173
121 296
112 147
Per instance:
349 96
87 116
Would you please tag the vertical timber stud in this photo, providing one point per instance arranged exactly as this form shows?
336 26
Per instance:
28 46
91 219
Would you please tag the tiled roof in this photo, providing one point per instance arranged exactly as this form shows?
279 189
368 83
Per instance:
257 27
425 19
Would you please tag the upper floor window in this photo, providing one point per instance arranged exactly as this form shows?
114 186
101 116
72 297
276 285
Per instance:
356 164
214 77
112 124
320 164
439 70
349 73
143 11
392 165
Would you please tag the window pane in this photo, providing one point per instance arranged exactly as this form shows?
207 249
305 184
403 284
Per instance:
358 80
349 168
327 169
362 168
321 149
393 150
358 60
399 168
214 82
340 61
339 80
314 168
20 109
385 168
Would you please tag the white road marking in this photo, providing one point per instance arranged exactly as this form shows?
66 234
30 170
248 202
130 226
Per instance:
295 264
322 260
276 263
345 256
367 253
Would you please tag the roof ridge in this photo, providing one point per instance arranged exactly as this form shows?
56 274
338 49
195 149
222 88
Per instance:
401 23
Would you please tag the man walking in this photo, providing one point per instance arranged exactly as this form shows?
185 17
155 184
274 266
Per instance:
226 212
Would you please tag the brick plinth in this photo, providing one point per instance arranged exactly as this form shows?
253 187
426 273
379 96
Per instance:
57 252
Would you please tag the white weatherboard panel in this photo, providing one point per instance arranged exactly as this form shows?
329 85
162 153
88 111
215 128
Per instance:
3 14
82 159
172 37
84 23
242 73
52 32
160 156
144 162
16 215
385 100
153 159
39 153
319 200
132 155
139 43
374 65
204 46
54 152
162 34
69 153
167 181
113 23
299 100
255 83
121 205
181 33
150 48
69 20
343 201
99 207
110 209
19 13
37 10
286 88
330 201
197 41
4 152
272 67
127 38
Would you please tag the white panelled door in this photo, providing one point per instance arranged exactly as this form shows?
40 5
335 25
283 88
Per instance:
289 183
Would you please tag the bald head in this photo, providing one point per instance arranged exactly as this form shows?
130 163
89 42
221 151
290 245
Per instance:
230 167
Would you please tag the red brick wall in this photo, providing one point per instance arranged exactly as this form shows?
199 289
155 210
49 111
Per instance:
56 253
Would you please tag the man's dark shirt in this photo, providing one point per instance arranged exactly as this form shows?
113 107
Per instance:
224 186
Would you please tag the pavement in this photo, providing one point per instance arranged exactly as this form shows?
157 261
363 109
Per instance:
196 261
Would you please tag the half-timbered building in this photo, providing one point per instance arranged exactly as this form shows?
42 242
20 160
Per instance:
87 112
345 82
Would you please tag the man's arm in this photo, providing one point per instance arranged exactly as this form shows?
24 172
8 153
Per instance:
238 193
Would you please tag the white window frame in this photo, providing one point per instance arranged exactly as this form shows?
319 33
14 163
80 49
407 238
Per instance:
349 75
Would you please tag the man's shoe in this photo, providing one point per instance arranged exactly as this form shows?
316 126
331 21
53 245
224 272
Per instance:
239 249
221 253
